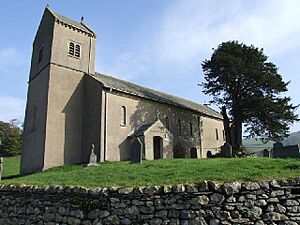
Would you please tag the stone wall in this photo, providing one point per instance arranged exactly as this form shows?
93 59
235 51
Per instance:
257 203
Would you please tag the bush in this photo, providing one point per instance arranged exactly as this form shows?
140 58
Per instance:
10 138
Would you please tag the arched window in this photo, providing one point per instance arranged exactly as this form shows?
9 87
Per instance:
217 134
198 122
191 129
123 116
71 48
77 51
179 127
167 123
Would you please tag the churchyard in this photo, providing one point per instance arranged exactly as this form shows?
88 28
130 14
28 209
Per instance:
157 172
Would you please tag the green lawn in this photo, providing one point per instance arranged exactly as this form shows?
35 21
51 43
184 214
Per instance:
164 172
11 166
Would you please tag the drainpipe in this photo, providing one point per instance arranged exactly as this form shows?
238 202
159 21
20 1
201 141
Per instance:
200 141
105 126
90 52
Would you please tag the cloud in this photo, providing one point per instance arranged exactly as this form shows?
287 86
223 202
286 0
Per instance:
193 27
10 58
128 65
189 29
11 108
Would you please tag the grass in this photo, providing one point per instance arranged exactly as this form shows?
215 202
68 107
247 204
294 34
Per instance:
11 166
164 172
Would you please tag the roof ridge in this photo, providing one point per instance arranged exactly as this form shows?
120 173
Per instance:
185 99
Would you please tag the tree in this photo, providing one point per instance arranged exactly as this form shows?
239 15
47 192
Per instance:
11 138
240 79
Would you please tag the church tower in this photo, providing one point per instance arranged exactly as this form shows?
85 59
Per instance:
63 56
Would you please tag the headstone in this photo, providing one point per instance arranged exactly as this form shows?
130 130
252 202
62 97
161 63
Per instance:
193 153
136 151
93 157
226 150
266 153
288 151
278 145
1 167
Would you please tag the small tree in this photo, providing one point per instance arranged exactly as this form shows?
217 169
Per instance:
241 80
11 138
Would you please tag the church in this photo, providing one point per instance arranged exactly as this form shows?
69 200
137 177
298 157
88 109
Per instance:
70 108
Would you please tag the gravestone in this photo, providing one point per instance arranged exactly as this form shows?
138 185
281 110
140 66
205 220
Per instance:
226 150
136 151
266 153
278 145
1 167
193 153
288 151
93 157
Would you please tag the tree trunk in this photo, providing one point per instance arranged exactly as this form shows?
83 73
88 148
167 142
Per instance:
237 145
237 124
227 128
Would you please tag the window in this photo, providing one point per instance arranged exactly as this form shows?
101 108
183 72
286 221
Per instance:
41 51
191 129
198 122
167 123
224 135
123 116
179 127
77 51
217 134
71 48
74 49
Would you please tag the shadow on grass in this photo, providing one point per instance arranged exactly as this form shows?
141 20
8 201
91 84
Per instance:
12 177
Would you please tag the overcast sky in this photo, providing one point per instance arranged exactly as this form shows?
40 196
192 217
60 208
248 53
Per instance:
156 43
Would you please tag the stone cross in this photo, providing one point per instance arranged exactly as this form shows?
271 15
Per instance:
157 115
93 157
136 151
1 167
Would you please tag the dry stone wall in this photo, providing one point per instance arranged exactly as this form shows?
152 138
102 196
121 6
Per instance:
206 203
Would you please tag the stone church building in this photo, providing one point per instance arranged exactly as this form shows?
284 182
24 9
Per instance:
70 107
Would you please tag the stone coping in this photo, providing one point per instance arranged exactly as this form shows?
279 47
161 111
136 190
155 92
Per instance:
225 188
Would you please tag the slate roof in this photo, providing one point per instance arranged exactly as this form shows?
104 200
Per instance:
140 131
147 93
73 23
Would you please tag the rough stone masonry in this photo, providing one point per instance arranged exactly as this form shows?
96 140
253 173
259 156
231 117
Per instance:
206 203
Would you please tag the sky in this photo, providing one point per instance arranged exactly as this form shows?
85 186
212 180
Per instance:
159 44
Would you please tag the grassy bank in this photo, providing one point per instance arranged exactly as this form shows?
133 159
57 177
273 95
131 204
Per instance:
165 172
11 166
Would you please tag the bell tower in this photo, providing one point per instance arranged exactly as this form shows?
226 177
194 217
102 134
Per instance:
63 54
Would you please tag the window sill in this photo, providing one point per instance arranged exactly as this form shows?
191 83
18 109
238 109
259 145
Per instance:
72 56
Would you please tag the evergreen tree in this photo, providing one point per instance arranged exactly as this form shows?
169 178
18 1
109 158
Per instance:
241 80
